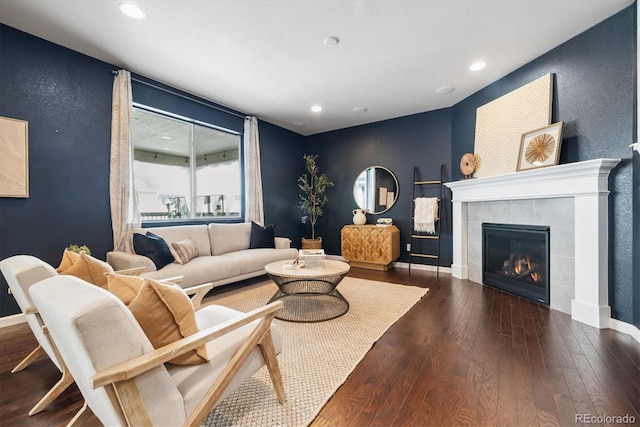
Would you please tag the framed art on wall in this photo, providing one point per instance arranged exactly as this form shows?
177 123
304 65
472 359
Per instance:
501 123
14 158
540 147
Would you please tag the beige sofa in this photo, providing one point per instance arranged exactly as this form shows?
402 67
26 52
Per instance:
223 254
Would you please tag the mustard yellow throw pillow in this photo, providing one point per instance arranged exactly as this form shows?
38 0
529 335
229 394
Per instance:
123 286
68 258
90 269
166 315
183 251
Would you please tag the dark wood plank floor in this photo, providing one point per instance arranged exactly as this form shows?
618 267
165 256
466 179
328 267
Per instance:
466 354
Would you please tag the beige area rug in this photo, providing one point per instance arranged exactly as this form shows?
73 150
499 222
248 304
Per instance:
316 357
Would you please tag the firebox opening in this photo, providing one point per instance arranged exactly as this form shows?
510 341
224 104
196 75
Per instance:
515 258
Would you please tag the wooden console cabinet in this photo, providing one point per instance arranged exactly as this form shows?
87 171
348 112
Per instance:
371 246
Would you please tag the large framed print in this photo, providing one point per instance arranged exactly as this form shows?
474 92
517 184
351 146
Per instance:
14 158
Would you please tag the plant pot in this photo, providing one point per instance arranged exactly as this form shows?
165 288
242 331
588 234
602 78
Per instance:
312 243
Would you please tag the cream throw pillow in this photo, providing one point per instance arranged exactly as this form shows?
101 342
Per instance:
90 269
183 251
166 315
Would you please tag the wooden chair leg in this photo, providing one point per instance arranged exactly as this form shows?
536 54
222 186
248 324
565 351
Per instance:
34 355
269 353
83 415
131 403
55 391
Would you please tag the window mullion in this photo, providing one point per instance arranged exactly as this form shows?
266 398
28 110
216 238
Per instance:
193 166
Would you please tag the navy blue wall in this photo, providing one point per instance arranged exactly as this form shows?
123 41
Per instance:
422 140
594 94
66 98
281 161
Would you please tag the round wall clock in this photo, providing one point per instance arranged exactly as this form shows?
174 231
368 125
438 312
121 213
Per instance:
468 165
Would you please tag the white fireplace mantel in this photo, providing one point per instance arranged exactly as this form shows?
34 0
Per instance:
587 183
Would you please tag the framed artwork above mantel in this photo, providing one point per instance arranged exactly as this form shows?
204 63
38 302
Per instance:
14 158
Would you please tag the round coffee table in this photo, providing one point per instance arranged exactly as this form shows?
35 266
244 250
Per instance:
309 294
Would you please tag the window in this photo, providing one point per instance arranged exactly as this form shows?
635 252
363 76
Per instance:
184 169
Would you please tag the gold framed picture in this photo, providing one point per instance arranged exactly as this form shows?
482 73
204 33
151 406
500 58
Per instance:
540 148
14 158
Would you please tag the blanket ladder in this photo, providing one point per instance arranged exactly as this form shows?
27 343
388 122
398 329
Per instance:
418 238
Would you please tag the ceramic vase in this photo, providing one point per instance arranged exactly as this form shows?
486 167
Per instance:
359 217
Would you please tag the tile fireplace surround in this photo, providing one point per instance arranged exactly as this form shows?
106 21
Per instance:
573 200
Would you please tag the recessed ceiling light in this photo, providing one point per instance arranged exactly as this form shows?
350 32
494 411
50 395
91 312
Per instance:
316 108
166 137
331 41
445 90
132 11
360 110
477 66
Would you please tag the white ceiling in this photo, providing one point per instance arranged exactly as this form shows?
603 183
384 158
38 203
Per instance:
267 58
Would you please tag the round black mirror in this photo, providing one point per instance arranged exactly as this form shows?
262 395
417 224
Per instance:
375 189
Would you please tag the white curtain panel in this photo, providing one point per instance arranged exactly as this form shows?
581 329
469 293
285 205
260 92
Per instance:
124 208
252 174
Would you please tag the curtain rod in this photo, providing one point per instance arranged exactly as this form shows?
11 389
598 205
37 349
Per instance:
224 110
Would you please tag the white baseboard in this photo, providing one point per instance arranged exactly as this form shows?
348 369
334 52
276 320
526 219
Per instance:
14 319
424 267
402 265
625 328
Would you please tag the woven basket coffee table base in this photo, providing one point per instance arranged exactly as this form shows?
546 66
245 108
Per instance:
309 300
302 304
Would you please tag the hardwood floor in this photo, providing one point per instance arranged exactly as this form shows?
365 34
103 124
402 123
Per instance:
465 354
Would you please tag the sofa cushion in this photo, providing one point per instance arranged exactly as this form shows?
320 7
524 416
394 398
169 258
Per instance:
229 237
183 251
262 237
197 233
252 260
153 247
166 315
89 269
199 270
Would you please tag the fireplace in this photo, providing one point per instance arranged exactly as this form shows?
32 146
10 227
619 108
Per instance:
515 258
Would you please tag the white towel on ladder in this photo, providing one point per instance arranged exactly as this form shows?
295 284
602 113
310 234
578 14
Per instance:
425 214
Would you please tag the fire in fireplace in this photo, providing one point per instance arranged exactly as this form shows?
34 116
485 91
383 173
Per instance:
515 258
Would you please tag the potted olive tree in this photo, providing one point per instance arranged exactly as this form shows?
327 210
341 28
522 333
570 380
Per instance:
312 198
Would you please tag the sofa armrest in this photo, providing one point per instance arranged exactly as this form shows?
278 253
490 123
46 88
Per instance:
135 271
124 260
282 243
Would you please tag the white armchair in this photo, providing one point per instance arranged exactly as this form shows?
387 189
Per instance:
21 272
126 382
